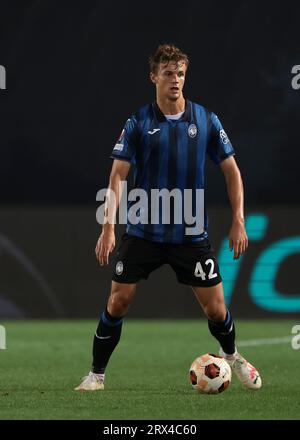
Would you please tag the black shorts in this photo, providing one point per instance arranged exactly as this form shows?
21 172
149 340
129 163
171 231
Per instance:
194 263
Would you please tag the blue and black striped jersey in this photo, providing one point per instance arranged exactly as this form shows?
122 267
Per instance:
169 154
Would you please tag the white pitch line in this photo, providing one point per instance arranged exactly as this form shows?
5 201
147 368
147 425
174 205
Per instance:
270 341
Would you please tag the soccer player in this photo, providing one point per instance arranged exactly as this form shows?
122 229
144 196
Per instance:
166 143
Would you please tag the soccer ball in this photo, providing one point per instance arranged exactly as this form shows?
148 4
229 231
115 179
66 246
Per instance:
210 374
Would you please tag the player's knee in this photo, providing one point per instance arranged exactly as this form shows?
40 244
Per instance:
216 311
118 303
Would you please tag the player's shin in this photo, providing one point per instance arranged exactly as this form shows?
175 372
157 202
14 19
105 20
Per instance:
224 332
106 338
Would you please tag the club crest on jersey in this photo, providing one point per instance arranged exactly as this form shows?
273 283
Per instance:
192 130
224 137
119 268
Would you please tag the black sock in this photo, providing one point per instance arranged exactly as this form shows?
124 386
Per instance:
224 332
106 338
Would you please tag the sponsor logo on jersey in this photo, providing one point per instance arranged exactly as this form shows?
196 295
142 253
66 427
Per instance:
154 130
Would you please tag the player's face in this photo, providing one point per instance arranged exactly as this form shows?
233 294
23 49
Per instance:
169 80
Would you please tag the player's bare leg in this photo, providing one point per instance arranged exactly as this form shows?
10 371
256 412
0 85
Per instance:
108 334
221 326
120 298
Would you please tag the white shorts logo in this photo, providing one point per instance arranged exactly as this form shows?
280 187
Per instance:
119 268
224 137
192 130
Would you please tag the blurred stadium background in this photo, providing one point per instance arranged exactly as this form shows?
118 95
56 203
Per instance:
74 73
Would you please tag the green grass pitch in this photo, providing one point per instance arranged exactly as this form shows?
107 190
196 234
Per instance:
147 377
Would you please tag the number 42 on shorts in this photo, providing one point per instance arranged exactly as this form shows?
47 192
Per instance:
199 272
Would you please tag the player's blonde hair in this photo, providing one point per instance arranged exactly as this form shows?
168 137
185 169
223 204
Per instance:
166 53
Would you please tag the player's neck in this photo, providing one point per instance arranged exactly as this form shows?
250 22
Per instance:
171 107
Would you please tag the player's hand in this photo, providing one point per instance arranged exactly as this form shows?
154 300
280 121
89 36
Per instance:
238 240
105 245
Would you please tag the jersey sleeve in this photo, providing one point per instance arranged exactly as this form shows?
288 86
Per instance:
125 148
219 146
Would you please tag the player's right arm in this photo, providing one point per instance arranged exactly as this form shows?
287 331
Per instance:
106 241
123 154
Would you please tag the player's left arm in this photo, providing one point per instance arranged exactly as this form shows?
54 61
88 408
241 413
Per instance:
238 240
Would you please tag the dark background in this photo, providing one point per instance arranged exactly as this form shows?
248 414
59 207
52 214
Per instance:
75 72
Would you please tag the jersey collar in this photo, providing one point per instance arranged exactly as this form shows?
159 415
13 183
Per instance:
187 115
